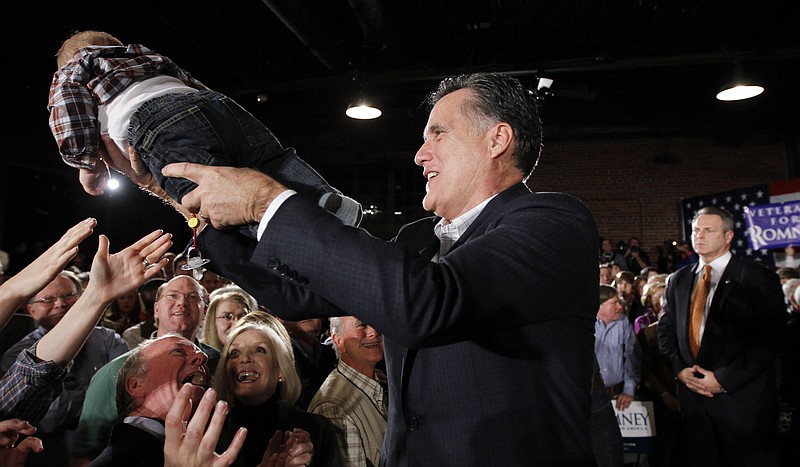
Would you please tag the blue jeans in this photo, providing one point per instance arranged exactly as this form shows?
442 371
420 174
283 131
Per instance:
209 128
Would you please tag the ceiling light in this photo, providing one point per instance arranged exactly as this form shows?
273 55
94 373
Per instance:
739 88
739 92
362 111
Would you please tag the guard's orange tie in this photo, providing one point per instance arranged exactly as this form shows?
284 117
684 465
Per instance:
698 307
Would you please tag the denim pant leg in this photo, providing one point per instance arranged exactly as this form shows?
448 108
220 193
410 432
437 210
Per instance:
208 128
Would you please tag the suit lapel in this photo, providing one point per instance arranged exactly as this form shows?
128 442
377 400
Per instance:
684 285
726 283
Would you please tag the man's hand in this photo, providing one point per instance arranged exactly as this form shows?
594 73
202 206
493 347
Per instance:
705 385
624 401
226 196
188 442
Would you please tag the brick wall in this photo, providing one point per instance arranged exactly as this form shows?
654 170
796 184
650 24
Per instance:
630 175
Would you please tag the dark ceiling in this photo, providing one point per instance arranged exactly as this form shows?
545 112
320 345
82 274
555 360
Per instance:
632 64
321 54
613 62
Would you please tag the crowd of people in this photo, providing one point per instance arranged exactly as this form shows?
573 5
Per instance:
719 359
276 355
91 397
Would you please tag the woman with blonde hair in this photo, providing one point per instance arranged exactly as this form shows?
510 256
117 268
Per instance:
226 307
256 376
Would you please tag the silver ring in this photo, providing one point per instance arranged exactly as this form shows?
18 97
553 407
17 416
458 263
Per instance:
146 263
200 215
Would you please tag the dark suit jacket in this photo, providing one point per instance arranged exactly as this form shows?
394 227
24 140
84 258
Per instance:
489 352
130 446
742 339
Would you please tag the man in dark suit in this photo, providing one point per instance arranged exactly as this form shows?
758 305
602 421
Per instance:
488 364
723 349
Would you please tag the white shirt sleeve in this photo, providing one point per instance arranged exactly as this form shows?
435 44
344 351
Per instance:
271 210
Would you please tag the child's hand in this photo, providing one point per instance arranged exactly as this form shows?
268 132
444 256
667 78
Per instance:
94 180
133 167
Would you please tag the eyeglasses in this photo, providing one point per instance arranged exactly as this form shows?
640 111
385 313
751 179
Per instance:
232 316
175 296
51 299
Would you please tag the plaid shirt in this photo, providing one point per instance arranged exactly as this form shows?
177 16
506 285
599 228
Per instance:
94 77
356 406
29 387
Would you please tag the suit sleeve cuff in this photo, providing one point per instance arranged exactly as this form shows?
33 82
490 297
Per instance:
271 210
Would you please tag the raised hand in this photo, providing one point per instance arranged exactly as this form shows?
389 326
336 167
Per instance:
116 274
26 283
189 443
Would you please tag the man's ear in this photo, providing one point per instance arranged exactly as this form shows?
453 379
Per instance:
501 136
729 237
134 386
29 308
337 341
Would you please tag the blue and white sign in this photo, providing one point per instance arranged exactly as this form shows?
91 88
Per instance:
773 225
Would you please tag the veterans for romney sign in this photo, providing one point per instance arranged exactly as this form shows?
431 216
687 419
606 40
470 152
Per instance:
773 225
734 200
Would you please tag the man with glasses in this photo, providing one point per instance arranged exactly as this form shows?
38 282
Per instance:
58 426
179 309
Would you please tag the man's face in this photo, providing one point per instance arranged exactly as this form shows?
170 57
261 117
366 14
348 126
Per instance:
180 307
606 246
610 310
360 345
53 302
453 157
708 238
212 281
605 276
170 361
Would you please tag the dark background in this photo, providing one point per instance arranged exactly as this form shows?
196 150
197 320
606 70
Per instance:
634 86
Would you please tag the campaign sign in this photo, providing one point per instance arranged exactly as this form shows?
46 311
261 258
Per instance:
638 427
773 225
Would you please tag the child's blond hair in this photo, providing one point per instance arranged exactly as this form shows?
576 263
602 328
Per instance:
83 39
